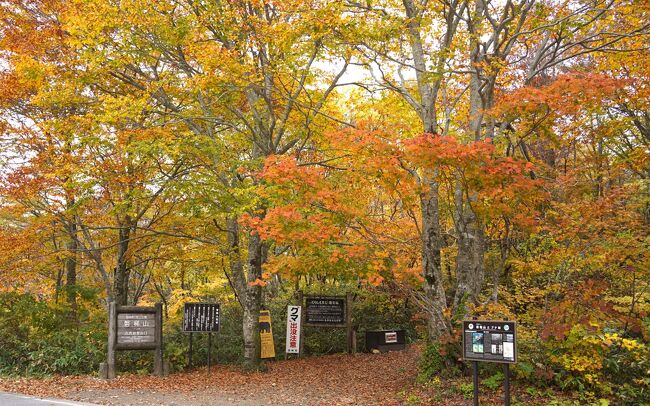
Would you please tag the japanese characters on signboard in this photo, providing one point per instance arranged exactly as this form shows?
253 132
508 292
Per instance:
325 310
491 341
293 330
390 337
136 328
201 317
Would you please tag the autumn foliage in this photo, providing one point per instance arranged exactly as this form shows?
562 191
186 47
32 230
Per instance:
458 159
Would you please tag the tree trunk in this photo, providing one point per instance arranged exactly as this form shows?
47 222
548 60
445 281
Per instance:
71 272
431 245
470 267
121 284
252 302
249 296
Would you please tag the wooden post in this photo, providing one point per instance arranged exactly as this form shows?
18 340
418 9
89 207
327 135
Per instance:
302 323
348 320
189 355
209 350
506 385
158 355
112 332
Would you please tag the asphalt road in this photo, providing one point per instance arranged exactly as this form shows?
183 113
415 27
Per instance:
11 399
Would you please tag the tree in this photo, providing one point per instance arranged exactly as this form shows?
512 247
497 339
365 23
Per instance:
242 78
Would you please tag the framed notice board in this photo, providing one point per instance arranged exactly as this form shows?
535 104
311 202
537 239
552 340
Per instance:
325 311
137 328
490 341
201 317
133 328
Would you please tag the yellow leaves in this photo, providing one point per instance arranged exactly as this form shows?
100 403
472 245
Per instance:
581 363
631 345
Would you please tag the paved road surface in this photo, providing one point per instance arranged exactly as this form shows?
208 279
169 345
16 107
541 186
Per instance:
10 399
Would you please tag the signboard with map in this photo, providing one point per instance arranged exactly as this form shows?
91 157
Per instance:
490 341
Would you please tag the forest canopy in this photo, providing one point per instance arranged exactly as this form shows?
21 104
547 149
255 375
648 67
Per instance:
440 159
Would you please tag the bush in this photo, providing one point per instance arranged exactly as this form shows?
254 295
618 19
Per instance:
37 339
434 363
67 352
603 363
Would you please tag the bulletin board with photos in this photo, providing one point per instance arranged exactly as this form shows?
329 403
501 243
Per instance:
490 341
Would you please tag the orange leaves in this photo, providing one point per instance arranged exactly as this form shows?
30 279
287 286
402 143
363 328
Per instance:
365 196
568 93
431 150
258 282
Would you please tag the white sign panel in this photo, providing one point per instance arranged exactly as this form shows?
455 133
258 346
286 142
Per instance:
391 337
293 330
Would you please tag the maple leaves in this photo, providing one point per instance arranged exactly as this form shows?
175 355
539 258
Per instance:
144 136
318 208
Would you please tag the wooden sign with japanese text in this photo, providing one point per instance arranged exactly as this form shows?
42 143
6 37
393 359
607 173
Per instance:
136 328
133 328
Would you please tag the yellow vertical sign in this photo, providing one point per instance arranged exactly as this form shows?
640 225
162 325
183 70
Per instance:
266 335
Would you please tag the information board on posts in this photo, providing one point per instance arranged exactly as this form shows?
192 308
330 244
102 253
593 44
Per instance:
201 317
325 310
490 341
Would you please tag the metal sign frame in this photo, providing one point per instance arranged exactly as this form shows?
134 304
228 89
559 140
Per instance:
492 327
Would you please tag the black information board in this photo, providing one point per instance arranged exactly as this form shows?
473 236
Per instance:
490 341
201 317
325 311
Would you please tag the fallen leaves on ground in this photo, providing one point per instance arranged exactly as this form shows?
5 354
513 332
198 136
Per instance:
361 379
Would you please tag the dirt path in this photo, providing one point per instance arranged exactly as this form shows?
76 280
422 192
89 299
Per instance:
362 379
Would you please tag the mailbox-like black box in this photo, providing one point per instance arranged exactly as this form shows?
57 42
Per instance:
385 340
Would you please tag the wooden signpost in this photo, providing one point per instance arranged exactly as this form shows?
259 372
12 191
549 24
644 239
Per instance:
201 318
134 328
490 341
